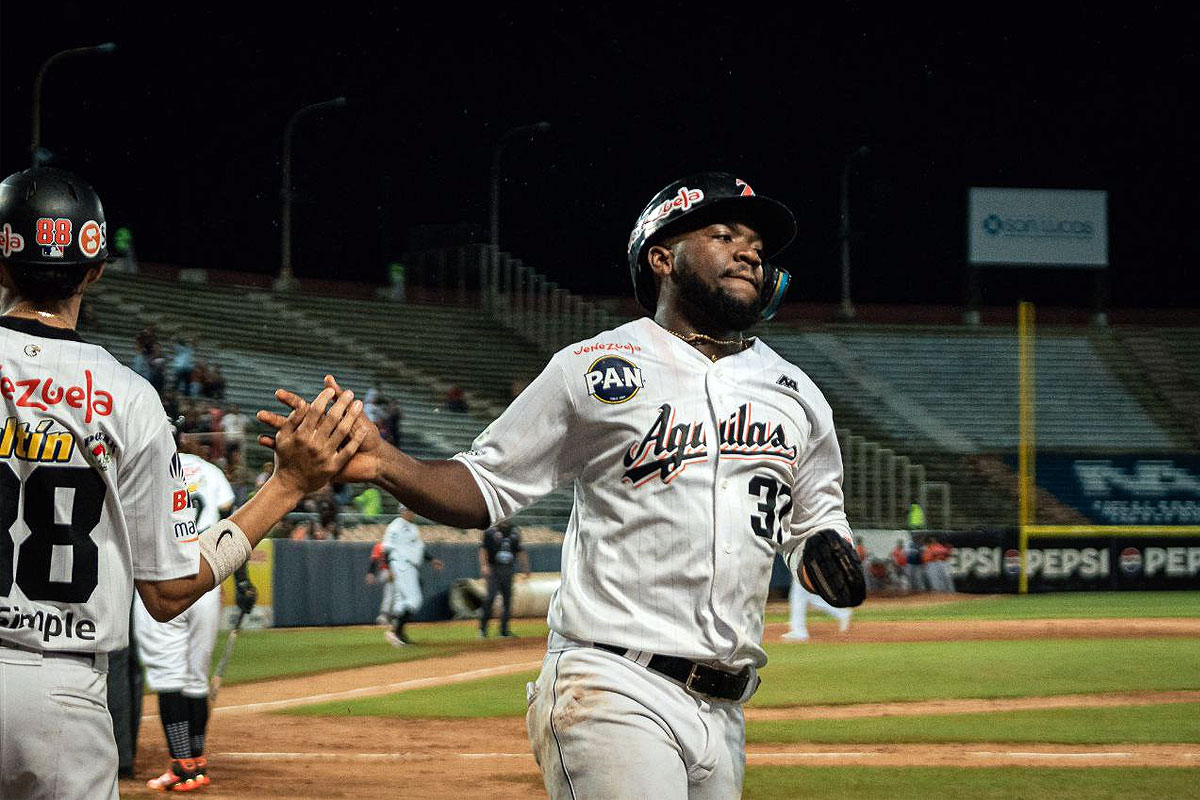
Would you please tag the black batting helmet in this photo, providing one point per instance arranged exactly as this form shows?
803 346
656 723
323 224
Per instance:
702 199
50 218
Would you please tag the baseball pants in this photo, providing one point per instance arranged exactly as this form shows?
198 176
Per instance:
499 582
406 588
799 600
603 727
56 737
177 654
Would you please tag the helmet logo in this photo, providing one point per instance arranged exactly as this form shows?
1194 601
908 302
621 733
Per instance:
684 199
746 190
10 242
91 238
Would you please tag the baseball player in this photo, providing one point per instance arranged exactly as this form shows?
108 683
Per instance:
377 572
697 454
93 499
405 553
177 654
499 551
799 599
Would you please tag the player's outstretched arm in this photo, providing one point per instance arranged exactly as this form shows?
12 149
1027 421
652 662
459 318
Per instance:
441 490
311 446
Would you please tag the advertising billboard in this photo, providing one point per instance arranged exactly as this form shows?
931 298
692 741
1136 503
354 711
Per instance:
1037 227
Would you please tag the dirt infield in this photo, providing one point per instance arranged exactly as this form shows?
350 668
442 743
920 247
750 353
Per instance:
259 756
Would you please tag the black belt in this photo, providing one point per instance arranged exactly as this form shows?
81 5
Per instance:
695 677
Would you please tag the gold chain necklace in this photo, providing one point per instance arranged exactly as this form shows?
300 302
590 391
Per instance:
695 339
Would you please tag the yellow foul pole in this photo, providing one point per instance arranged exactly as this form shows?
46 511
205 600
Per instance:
1027 449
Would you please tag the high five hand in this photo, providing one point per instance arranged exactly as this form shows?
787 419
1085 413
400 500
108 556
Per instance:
312 444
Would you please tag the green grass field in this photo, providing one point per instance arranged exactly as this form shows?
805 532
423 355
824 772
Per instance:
857 672
919 783
304 651
295 652
869 673
1066 605
1175 722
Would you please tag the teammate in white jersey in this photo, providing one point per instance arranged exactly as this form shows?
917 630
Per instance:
405 554
93 500
696 455
177 654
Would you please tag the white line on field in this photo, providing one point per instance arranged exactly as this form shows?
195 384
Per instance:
399 686
769 756
986 754
367 756
413 756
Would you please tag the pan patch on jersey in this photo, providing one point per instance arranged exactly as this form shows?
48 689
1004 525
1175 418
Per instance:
99 450
613 379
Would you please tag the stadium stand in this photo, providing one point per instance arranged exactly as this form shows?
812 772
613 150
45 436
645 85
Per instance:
262 341
925 412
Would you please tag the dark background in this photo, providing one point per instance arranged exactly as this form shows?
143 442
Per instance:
181 130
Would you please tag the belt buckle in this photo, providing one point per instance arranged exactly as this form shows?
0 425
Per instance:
693 673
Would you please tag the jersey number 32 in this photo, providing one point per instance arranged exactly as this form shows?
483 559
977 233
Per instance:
59 561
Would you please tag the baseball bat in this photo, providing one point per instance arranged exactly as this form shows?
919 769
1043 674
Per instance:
214 683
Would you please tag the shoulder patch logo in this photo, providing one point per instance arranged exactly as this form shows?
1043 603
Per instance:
784 380
100 450
613 379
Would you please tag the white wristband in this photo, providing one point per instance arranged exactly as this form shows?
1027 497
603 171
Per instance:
225 548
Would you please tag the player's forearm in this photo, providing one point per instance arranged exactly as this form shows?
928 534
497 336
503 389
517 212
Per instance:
166 600
443 491
264 510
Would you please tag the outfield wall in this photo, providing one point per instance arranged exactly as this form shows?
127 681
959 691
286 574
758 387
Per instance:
989 562
319 583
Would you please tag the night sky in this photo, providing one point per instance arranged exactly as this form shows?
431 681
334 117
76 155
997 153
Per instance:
181 130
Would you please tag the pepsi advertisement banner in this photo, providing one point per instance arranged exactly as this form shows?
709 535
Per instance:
1126 490
988 562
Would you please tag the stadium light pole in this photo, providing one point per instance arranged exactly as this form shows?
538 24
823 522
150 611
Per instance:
494 209
846 311
35 145
286 278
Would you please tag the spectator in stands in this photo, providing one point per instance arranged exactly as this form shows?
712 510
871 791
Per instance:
264 474
327 525
141 363
236 478
865 558
147 338
916 517
215 386
392 421
373 406
456 400
324 504
916 566
369 503
900 561
158 367
216 438
234 425
199 379
183 363
937 564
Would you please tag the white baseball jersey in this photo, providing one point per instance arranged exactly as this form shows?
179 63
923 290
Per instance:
177 653
92 493
405 553
689 476
402 542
